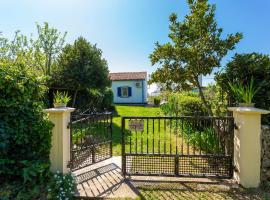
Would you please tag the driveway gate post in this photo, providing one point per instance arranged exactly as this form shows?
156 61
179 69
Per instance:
247 145
60 150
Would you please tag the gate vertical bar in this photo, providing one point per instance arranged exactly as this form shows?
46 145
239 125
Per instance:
111 134
176 165
123 148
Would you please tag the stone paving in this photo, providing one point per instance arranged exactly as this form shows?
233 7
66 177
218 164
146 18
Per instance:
104 180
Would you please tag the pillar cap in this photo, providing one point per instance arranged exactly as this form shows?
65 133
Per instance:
59 110
248 110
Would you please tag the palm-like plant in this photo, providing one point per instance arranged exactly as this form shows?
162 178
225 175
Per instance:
60 97
244 93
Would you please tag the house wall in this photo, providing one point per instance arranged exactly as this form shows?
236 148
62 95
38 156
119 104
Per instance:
139 94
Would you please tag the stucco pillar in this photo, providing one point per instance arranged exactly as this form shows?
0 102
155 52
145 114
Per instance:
247 145
60 150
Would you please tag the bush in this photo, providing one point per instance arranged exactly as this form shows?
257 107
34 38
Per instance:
217 99
99 100
204 138
185 104
25 132
107 101
241 70
156 101
61 186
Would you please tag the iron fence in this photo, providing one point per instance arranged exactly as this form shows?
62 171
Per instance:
90 139
177 146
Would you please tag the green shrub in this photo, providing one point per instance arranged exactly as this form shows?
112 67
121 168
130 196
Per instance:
204 139
107 101
97 99
240 70
217 99
25 132
156 101
61 186
185 104
189 104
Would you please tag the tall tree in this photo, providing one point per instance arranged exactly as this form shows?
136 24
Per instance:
81 66
195 49
48 45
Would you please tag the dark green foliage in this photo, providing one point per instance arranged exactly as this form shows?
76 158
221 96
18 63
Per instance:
156 101
82 71
242 69
185 104
203 138
107 100
61 186
25 133
95 99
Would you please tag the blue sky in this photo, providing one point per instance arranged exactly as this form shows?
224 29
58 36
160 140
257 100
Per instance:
126 30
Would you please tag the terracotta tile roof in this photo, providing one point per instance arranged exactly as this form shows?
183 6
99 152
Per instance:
127 76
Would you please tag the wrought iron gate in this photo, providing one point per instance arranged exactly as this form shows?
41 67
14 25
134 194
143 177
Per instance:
178 146
90 138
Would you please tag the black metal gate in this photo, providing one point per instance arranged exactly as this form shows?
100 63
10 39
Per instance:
90 138
178 146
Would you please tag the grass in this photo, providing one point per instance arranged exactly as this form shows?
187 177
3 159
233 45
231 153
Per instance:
200 191
128 111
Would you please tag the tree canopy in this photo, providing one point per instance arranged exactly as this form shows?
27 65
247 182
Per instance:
196 47
38 54
240 70
81 66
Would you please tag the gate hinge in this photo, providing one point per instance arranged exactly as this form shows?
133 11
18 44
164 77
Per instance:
68 126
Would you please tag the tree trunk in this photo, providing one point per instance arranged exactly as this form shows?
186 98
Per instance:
207 106
74 98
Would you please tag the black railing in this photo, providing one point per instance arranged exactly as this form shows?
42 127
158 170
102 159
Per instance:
91 138
181 146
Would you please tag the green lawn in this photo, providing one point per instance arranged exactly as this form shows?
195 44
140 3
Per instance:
128 111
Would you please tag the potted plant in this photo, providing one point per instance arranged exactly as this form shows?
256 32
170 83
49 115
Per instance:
244 94
61 99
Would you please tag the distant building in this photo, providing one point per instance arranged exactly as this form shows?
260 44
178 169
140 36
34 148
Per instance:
129 87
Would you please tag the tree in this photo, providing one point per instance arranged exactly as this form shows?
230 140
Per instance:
49 43
81 66
196 48
37 53
241 69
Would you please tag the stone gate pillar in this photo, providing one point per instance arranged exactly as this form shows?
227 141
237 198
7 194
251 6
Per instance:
247 145
60 150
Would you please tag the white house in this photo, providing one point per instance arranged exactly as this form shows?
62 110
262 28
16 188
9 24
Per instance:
129 87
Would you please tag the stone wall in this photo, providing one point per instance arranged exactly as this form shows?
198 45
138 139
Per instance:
265 159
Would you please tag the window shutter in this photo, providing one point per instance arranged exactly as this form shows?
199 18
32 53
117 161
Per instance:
119 92
129 92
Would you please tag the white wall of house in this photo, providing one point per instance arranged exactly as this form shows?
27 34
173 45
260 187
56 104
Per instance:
138 94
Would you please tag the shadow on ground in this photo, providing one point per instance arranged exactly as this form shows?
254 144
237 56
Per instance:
106 181
195 190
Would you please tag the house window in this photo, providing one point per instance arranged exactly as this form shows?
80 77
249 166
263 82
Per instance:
124 92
